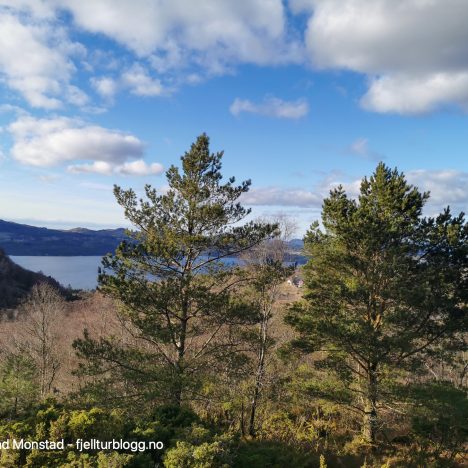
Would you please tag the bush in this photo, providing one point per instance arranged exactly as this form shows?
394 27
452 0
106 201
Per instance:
18 385
273 454
216 453
439 420
96 423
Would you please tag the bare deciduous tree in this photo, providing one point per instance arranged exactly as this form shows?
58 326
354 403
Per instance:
40 316
267 261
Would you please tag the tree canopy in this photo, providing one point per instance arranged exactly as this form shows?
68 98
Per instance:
385 286
176 289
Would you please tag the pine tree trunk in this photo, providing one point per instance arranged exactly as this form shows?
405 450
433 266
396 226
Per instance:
181 348
177 391
369 427
258 376
253 409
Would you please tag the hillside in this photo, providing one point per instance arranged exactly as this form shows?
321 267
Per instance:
16 282
22 239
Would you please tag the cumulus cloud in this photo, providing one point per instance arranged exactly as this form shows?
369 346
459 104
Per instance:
97 167
272 107
36 60
446 187
133 168
105 86
299 197
275 196
331 182
140 82
48 142
140 168
42 9
51 142
137 79
406 94
414 52
252 31
181 40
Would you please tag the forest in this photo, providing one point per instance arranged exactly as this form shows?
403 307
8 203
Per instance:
231 364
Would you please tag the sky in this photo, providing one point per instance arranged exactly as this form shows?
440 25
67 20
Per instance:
301 95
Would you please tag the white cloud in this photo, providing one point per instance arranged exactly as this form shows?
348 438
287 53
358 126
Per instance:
416 94
35 60
252 31
10 108
48 142
133 168
415 52
183 41
51 142
140 83
272 107
446 187
42 9
140 168
136 79
97 167
75 96
105 86
275 196
352 188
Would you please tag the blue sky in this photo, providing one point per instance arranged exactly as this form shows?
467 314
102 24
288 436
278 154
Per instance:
300 94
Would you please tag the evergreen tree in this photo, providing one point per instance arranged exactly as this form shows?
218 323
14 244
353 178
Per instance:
178 296
18 384
384 287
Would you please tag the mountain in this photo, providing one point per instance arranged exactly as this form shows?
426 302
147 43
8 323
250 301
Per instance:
296 245
118 233
16 282
22 239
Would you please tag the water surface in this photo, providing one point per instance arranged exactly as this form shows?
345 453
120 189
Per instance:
78 272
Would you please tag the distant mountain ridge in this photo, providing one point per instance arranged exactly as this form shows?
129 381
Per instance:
296 244
117 233
22 239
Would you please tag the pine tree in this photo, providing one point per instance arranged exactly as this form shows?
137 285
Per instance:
384 286
178 295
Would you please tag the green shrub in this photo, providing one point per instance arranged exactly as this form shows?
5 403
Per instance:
18 385
96 423
214 453
272 454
